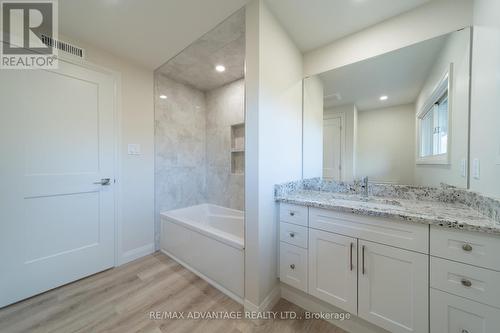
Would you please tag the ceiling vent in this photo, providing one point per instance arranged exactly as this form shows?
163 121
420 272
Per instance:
63 46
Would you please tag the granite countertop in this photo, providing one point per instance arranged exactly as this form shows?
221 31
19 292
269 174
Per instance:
446 214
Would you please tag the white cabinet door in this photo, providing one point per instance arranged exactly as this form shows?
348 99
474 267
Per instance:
333 269
57 144
393 288
453 314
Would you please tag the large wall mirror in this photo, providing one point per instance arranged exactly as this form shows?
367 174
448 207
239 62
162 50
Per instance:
398 118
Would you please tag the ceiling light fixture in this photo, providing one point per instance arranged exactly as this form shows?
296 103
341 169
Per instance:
220 68
163 96
383 98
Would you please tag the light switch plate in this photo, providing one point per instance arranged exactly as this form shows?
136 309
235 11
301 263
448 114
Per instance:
134 149
475 168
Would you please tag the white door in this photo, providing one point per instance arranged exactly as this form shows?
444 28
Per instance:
332 148
393 288
56 141
333 269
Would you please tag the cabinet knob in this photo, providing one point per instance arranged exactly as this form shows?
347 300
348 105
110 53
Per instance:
292 234
292 213
467 247
292 266
466 283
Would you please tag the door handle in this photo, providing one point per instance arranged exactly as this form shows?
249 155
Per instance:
467 247
350 256
363 260
466 283
104 182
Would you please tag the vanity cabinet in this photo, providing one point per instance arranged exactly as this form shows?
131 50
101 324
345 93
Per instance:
293 266
370 266
393 287
464 282
333 269
451 313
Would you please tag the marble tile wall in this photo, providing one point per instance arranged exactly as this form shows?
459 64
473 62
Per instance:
225 107
180 145
192 143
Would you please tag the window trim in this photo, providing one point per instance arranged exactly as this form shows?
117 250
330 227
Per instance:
446 83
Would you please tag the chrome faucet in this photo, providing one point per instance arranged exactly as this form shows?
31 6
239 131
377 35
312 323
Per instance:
364 185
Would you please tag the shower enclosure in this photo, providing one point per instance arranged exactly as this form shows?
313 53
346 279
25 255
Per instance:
200 155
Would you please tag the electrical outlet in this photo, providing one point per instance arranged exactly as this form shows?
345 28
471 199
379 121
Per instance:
475 168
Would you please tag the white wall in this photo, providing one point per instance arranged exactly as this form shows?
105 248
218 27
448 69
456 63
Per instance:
273 142
485 97
313 128
456 51
385 144
136 186
350 114
431 20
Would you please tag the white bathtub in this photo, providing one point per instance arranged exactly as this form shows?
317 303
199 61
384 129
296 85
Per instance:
209 241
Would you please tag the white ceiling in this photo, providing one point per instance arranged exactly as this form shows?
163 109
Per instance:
148 32
400 75
224 45
314 23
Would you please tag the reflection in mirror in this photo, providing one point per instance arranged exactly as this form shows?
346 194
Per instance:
398 118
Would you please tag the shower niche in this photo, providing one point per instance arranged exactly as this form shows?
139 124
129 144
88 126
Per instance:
238 149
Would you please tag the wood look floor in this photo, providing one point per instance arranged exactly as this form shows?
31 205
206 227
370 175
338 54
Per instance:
121 299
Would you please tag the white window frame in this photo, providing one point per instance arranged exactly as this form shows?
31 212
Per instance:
446 83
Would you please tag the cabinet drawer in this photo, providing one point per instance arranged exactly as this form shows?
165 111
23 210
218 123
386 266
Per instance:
294 214
293 266
450 313
476 283
293 234
409 236
467 247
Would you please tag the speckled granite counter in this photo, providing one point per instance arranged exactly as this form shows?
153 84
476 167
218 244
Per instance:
446 207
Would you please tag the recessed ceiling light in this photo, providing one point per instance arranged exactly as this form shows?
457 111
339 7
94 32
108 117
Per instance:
220 68
163 96
383 98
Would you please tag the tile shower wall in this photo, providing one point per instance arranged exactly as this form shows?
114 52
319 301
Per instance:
192 143
180 134
225 107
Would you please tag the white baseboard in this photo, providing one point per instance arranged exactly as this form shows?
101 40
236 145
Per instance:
267 304
136 253
216 285
312 304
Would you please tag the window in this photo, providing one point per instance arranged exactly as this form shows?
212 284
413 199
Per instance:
433 126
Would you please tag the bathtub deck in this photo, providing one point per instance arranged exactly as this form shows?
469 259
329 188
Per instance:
121 299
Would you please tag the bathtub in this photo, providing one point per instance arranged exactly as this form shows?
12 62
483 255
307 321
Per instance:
209 241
